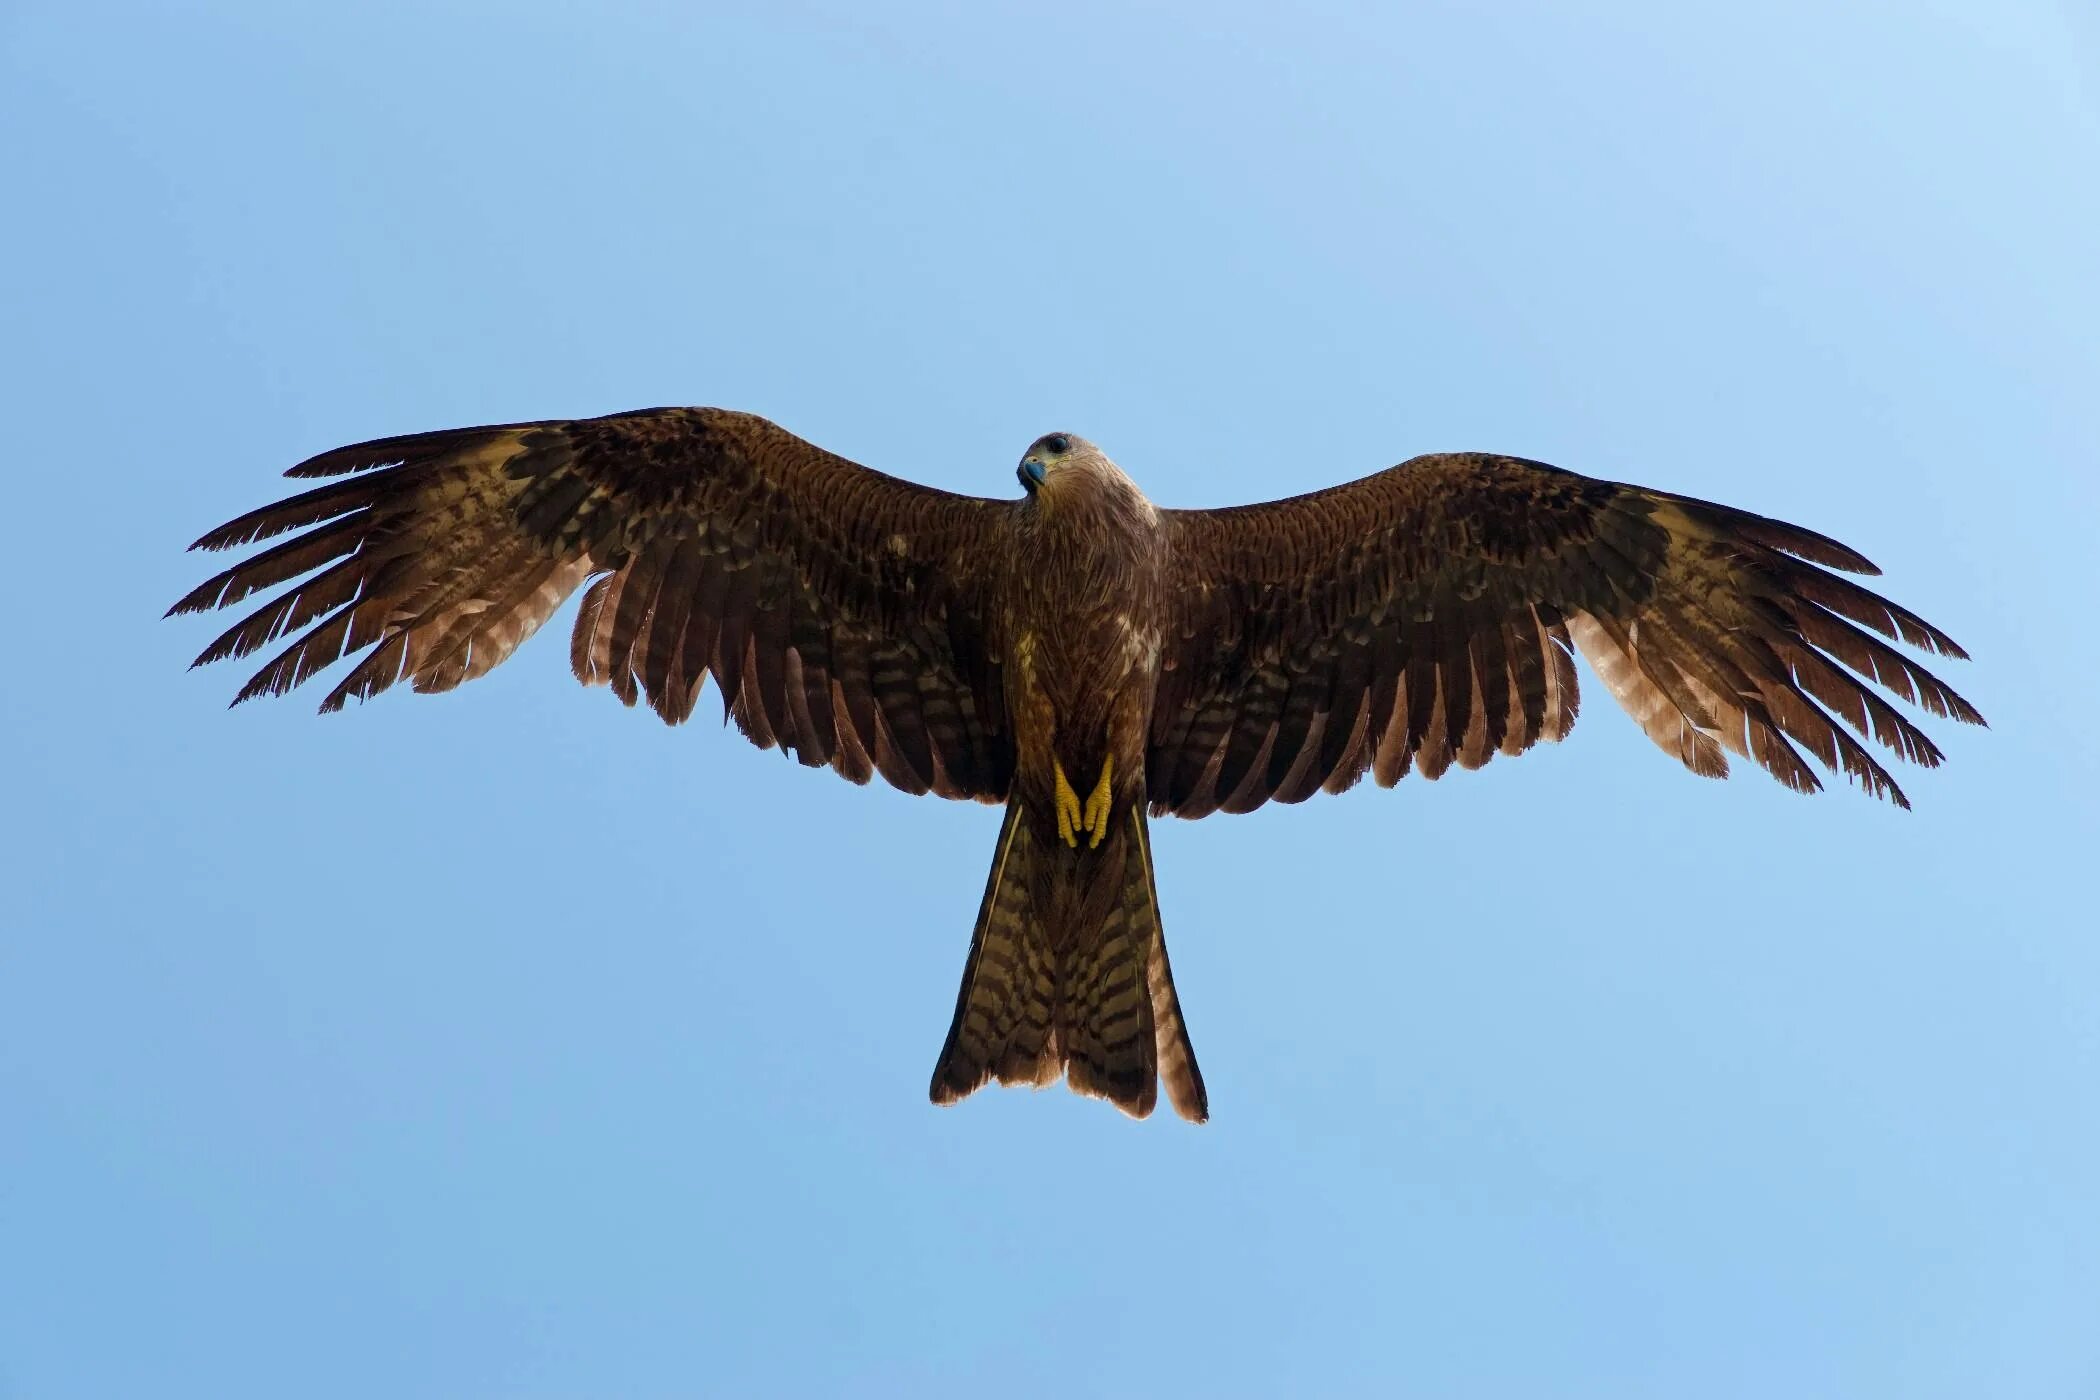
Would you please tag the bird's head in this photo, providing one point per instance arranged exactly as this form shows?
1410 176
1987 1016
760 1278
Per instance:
1051 456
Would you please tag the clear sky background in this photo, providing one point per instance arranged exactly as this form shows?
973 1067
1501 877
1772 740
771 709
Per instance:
507 1043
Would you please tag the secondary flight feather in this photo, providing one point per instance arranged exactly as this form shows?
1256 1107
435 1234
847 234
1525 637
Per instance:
1079 655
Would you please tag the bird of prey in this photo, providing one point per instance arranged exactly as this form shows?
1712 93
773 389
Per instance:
1079 655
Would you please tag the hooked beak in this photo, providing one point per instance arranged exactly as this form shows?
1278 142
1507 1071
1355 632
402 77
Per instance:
1031 474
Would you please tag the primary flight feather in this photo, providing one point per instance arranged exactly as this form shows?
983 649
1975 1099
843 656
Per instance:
1080 655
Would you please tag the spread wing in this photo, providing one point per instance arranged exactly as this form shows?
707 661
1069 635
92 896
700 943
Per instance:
840 612
1428 616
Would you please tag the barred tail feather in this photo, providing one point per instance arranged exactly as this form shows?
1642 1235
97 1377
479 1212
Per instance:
1003 1015
1068 974
1177 1057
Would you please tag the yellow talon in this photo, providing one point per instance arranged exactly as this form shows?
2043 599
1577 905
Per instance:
1069 821
1095 818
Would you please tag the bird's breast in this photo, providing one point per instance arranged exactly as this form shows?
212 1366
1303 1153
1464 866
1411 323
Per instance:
1084 615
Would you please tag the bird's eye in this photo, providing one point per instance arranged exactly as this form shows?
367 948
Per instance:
1057 444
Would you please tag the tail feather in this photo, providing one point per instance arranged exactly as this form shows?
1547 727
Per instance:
1106 1027
1177 1057
1003 1026
1068 973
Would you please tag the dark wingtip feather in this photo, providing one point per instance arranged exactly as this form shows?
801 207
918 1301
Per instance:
1797 540
1815 547
307 508
383 452
341 462
406 449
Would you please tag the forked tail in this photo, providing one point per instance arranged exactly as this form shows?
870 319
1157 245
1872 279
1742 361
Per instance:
1068 974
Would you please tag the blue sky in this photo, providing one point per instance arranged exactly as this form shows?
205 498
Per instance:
507 1043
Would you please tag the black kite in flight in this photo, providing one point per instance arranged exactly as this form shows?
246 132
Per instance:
1080 655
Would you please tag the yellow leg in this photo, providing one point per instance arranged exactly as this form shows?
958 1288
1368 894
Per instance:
1069 820
1095 818
1072 819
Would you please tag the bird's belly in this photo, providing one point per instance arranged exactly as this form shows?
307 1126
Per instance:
1087 693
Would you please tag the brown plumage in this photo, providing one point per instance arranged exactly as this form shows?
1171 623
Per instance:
1078 655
